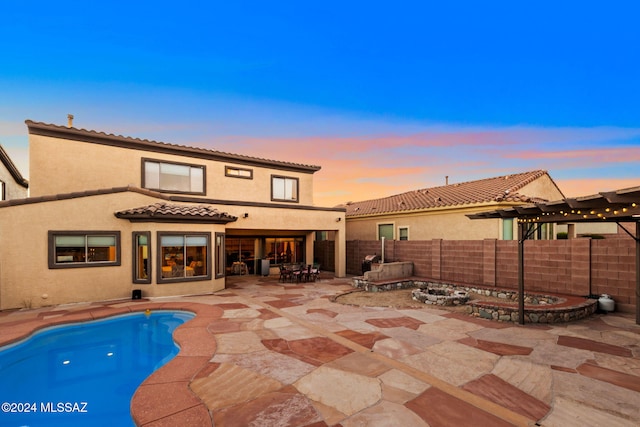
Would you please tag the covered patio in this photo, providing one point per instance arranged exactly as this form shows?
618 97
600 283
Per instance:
619 206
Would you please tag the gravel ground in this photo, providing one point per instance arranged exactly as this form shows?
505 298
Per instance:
400 298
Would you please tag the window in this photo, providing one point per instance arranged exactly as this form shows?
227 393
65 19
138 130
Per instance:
238 172
507 229
284 189
285 250
184 257
69 249
403 233
386 231
174 177
220 255
141 257
2 195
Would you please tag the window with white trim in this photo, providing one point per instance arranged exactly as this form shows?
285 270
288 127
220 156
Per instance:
403 233
386 231
507 229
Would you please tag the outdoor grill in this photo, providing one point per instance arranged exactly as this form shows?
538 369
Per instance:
368 260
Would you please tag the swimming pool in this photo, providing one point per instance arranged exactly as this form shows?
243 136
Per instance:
84 373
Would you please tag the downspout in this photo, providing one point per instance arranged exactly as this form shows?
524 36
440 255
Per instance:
382 261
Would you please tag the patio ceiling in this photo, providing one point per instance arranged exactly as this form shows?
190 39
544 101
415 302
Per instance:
612 206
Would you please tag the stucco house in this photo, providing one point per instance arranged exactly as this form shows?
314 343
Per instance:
12 184
109 215
440 212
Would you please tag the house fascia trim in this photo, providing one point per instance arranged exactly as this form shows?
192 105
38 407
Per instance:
93 137
470 208
13 170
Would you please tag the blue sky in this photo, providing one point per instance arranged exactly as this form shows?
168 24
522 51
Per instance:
385 96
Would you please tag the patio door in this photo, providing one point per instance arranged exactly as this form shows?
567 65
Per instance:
240 255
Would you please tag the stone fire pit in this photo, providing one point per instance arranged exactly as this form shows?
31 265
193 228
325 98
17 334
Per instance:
439 294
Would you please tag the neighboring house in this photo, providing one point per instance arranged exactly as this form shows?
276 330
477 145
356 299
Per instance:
109 215
440 212
12 184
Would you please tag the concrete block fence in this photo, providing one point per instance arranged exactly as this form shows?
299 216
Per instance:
573 267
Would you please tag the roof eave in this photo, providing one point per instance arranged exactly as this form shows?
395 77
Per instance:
13 170
465 206
175 219
74 134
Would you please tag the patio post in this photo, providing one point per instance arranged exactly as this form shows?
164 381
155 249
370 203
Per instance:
521 238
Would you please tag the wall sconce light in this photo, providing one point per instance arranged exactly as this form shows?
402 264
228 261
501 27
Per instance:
246 215
339 219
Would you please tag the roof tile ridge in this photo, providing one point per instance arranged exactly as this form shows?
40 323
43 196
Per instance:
533 175
168 144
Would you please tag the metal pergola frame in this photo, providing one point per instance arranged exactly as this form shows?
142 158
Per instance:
612 206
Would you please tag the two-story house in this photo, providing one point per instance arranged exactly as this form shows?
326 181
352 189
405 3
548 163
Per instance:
108 215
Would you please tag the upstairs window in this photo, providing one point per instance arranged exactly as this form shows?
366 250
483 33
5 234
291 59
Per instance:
238 172
173 177
284 189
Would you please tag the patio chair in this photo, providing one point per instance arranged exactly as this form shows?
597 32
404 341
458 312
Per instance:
285 274
306 274
314 273
299 274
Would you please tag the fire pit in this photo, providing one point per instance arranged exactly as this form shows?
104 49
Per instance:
439 295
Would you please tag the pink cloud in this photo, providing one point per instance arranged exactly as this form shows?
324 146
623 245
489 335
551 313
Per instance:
587 187
615 154
372 166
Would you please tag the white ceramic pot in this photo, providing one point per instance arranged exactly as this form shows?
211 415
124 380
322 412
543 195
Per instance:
606 303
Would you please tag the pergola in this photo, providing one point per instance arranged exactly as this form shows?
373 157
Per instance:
613 206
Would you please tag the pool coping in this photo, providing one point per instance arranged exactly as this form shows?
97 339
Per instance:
175 404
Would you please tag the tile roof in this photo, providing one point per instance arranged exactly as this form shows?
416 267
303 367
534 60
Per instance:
39 128
499 189
167 212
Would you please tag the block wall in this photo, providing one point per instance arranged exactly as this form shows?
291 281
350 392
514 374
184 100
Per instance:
613 269
574 267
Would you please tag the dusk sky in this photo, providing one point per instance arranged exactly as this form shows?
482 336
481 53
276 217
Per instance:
385 96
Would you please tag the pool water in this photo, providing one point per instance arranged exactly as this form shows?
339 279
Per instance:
84 373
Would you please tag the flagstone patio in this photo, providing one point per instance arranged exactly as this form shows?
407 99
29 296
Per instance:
266 353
